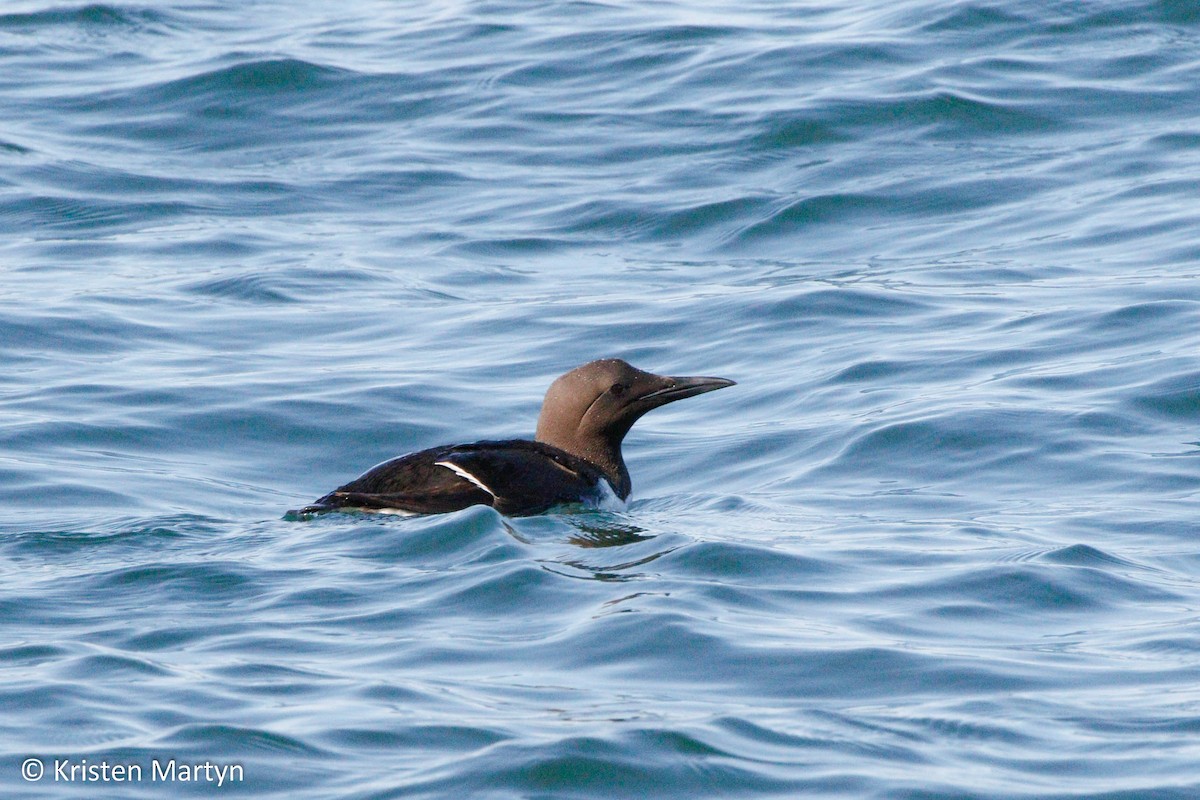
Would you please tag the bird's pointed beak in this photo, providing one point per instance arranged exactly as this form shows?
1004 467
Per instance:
671 389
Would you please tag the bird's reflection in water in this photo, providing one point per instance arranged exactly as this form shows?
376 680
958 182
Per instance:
595 529
598 533
606 533
601 534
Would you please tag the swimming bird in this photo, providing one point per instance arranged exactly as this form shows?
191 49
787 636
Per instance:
574 458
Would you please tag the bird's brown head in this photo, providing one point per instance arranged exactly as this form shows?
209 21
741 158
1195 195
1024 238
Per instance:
588 411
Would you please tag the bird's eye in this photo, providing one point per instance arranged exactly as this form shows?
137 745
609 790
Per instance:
617 389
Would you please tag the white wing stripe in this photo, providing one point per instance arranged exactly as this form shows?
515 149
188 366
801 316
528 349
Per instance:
462 473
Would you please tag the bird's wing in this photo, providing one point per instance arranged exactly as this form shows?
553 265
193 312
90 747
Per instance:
415 483
522 478
515 477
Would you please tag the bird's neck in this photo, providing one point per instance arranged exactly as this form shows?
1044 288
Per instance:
608 458
602 454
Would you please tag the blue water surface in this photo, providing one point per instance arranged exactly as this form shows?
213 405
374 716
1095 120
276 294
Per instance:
940 541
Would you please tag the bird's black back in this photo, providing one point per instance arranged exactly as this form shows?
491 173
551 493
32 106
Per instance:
516 477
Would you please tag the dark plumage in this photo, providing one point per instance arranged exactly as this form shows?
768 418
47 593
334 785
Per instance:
576 457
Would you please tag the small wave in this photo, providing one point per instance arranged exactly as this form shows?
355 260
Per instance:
209 579
1032 588
452 738
255 288
947 114
510 247
788 132
640 763
84 215
810 211
972 18
251 104
13 147
1174 398
237 740
273 78
431 540
936 444
110 666
31 655
91 17
875 370
729 563
1082 555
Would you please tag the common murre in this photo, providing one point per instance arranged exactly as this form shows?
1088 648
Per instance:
576 456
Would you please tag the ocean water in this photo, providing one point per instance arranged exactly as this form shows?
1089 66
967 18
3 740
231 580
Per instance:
941 540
